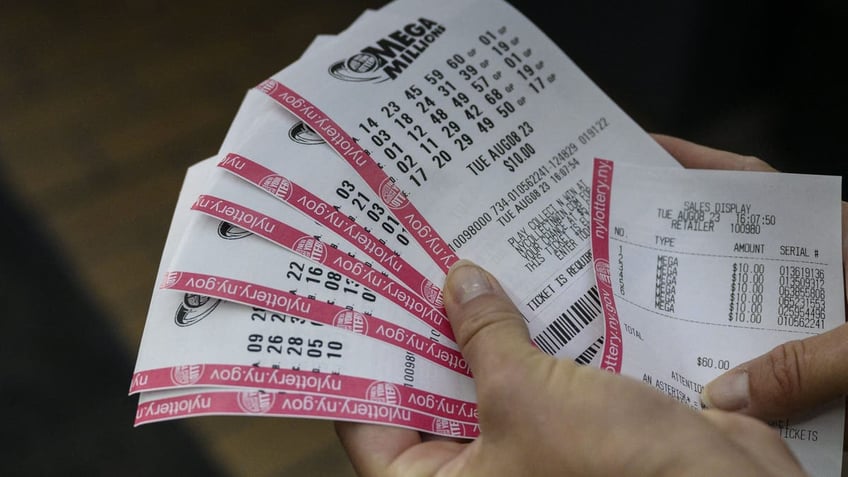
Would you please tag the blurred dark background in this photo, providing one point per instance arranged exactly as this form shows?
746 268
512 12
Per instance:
103 105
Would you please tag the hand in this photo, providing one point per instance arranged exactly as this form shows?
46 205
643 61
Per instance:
796 376
541 416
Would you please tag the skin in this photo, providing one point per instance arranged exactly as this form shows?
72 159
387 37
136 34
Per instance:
543 416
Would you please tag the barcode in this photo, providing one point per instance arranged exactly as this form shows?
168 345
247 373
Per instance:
590 352
569 323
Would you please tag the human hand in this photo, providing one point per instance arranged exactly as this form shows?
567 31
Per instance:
541 416
796 376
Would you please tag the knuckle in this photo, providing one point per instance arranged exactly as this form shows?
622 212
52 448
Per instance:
754 163
755 430
786 364
740 424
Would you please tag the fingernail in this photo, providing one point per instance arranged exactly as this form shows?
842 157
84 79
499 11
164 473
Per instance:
728 392
467 281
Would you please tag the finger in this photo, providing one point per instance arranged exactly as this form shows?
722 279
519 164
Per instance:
696 156
488 327
793 377
762 443
372 448
383 451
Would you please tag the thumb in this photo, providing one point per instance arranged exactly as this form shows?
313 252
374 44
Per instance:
793 377
488 327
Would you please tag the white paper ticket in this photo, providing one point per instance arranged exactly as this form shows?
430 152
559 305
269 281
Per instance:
256 272
335 198
230 199
701 270
174 404
192 341
195 341
480 134
317 185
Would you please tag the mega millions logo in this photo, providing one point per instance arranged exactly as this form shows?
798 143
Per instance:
255 402
383 392
194 308
228 231
389 56
303 134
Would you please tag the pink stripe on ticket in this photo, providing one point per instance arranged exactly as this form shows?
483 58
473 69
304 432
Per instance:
303 307
600 208
259 403
276 379
374 176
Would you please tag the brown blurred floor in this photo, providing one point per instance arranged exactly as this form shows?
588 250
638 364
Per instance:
103 105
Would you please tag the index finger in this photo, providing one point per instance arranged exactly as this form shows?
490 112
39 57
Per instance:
696 156
380 451
372 448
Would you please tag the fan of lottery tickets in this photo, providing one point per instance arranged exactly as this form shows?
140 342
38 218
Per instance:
302 273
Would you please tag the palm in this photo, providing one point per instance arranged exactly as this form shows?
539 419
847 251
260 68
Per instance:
403 451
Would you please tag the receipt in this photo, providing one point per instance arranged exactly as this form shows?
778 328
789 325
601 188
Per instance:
476 133
701 270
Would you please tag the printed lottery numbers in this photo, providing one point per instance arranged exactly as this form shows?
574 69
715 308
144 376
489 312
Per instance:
331 280
478 82
293 345
382 139
374 210
517 59
428 108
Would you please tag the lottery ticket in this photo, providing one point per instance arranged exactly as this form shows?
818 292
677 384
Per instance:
196 341
227 199
259 273
167 405
192 340
479 134
314 184
701 270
